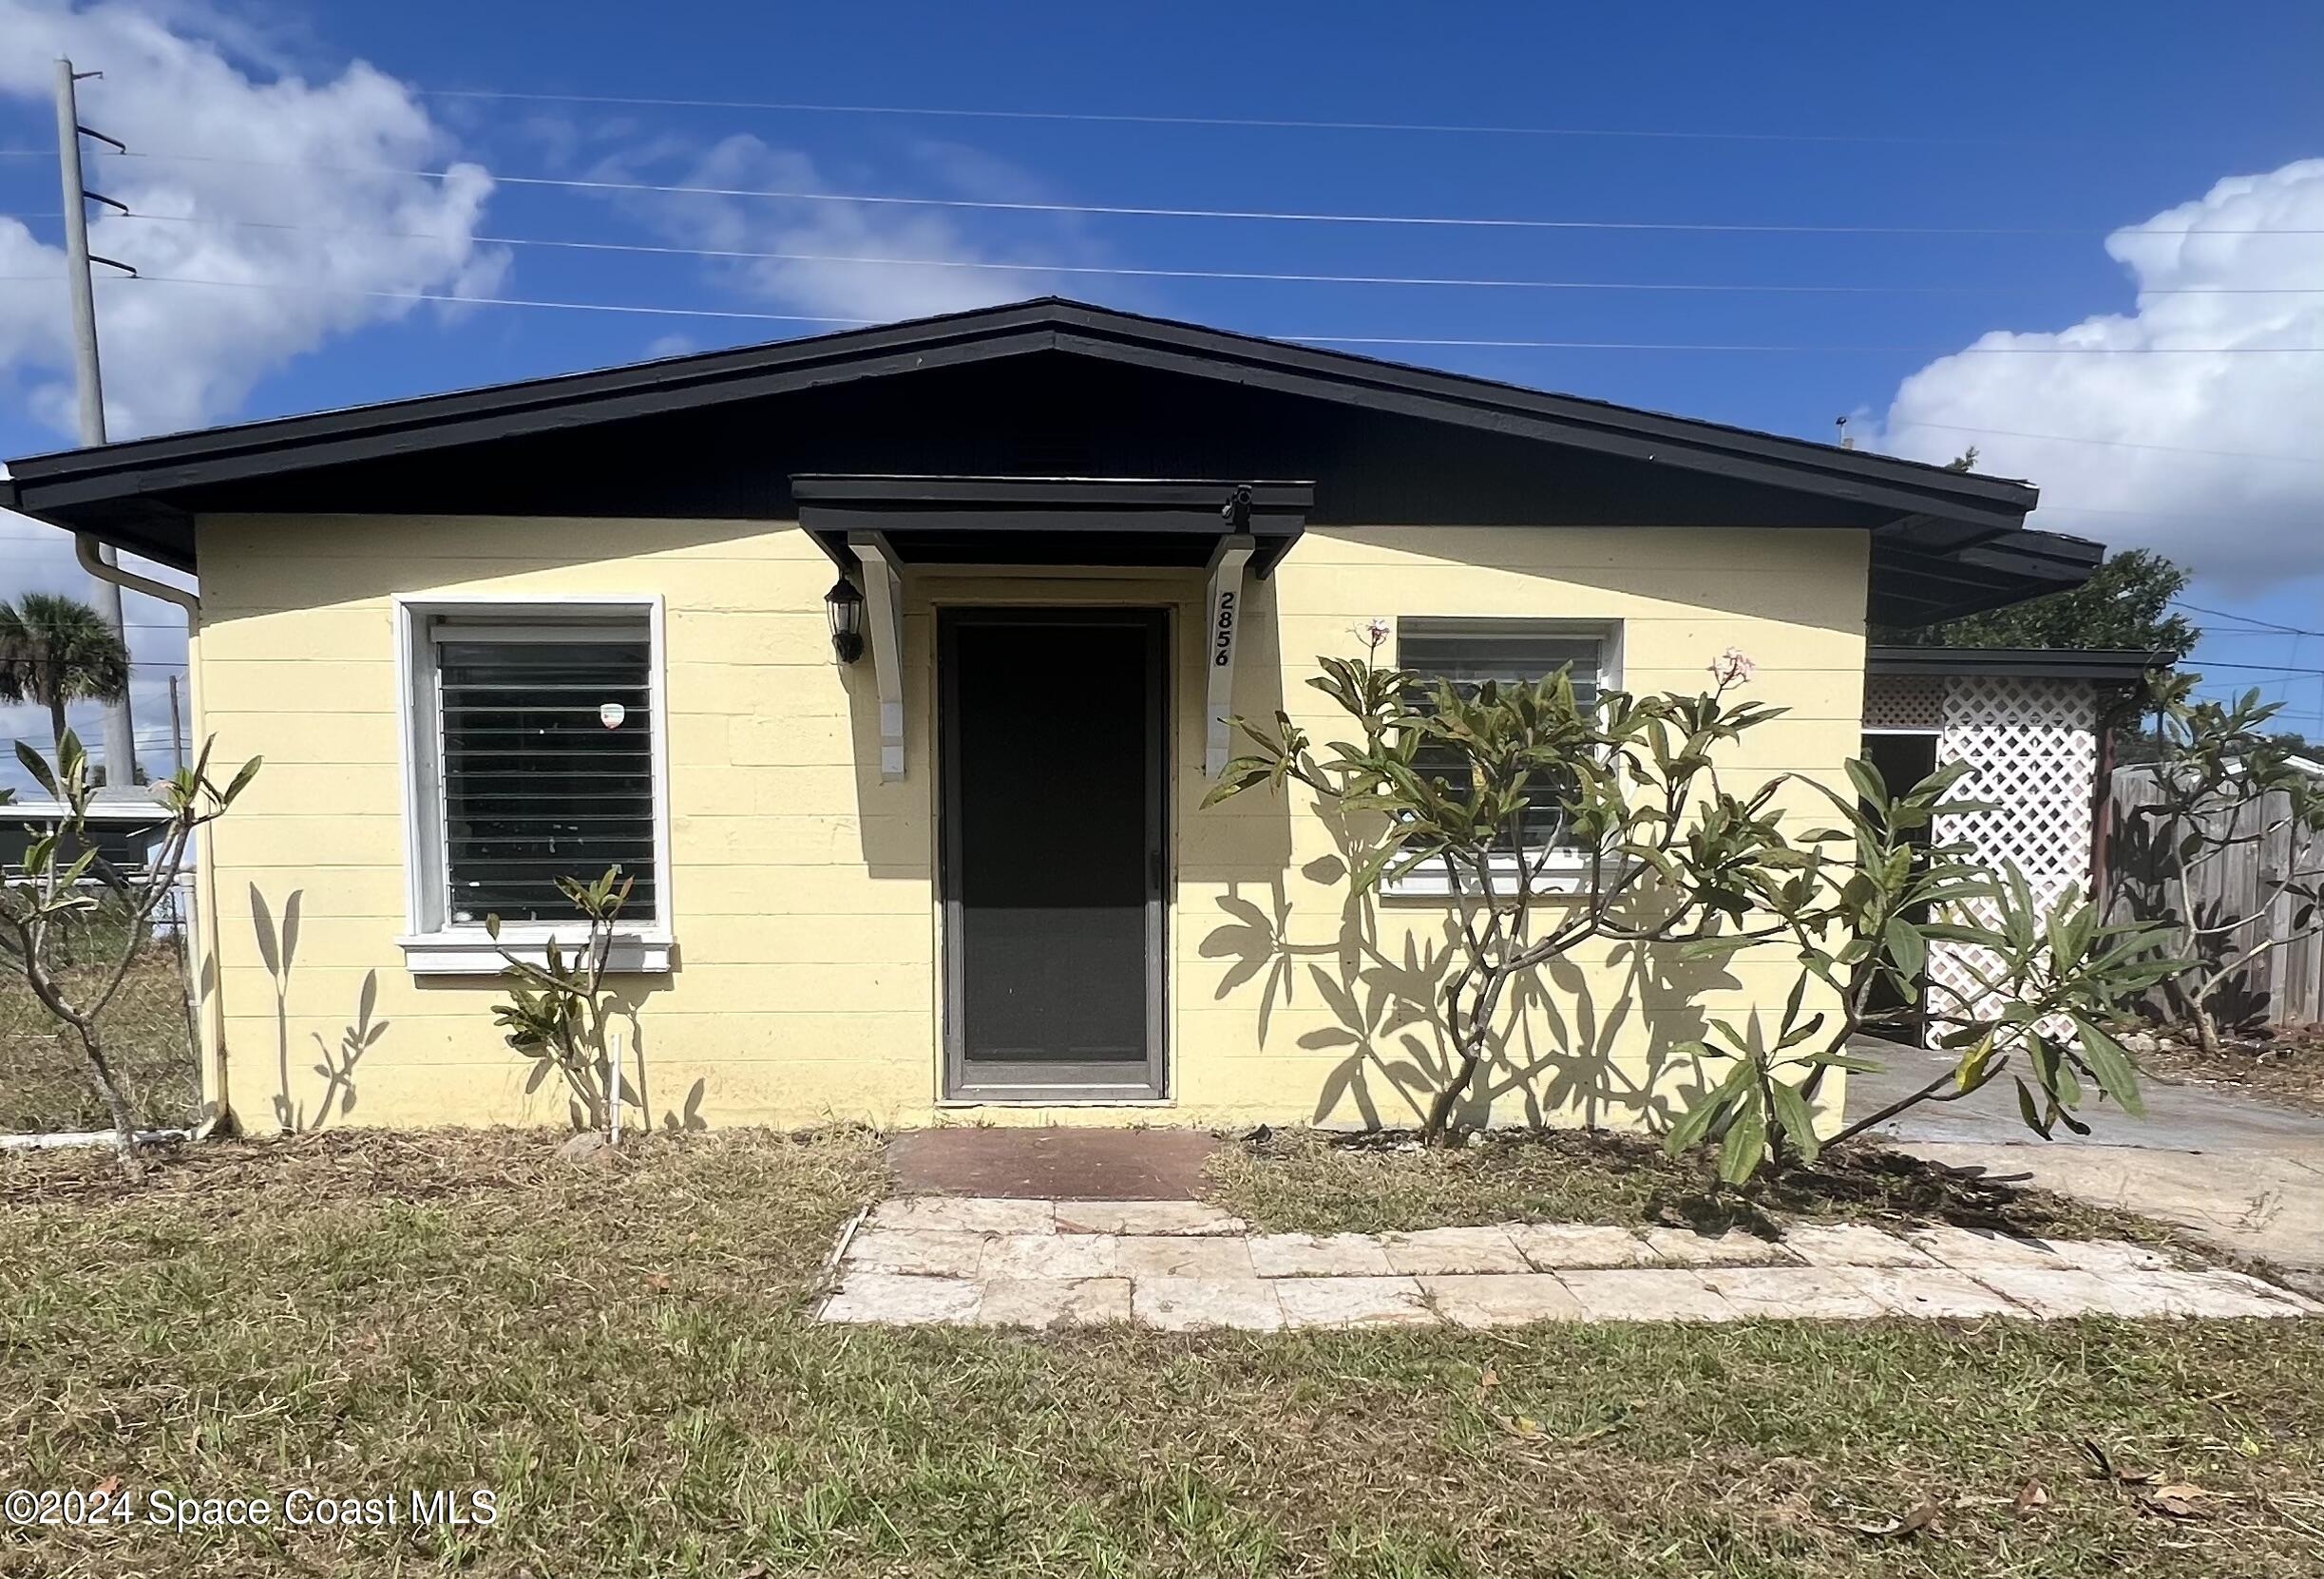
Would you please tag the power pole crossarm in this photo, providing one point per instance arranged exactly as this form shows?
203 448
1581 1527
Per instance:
87 378
120 731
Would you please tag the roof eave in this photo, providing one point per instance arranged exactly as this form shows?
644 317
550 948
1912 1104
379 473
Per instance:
67 482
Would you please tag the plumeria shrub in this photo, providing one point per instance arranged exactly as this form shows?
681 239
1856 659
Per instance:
1674 862
2226 789
559 1012
1860 911
1666 852
67 880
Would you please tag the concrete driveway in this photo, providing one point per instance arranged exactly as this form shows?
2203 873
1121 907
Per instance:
2245 1175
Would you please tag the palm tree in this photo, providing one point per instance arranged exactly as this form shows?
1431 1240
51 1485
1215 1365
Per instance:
54 650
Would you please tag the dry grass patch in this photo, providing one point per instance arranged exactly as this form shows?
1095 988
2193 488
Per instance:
1308 1181
45 1086
625 1356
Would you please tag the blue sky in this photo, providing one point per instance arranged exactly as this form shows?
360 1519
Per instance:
2062 125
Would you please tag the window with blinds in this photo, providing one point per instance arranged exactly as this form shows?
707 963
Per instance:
545 758
1468 653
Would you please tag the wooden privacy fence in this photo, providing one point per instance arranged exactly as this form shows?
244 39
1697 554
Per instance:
2283 986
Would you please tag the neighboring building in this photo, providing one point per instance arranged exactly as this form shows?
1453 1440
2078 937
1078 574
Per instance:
2032 722
127 831
488 638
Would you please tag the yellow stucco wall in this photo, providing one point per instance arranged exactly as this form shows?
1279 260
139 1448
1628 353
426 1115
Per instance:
802 886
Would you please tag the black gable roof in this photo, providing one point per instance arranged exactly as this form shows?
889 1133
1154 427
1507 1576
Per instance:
1056 387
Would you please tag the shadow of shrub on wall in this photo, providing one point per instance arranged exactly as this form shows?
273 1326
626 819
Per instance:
337 1065
1573 833
334 1065
1555 1051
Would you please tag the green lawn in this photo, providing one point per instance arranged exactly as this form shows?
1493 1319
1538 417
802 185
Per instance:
624 1356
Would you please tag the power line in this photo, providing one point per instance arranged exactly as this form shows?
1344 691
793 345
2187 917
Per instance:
1269 123
2265 624
2143 515
450 299
1151 273
2120 444
1147 211
2292 671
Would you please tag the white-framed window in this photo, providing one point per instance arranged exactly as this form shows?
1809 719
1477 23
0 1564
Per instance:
1469 652
535 748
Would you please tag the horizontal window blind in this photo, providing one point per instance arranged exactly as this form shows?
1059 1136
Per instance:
548 757
1468 653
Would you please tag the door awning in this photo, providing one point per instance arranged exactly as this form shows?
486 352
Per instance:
874 528
1034 521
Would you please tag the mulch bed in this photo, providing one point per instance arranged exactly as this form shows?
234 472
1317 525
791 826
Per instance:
2278 1063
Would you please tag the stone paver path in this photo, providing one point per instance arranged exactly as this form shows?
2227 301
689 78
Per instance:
1182 1265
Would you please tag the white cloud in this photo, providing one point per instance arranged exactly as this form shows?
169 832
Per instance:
2241 524
179 356
181 75
934 241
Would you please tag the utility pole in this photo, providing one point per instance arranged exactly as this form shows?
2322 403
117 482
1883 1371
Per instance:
120 734
177 728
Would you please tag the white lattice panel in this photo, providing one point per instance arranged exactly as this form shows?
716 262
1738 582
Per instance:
1904 702
2034 746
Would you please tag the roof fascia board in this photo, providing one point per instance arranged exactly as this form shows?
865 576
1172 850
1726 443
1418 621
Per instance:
2099 664
1470 413
36 492
186 460
1468 388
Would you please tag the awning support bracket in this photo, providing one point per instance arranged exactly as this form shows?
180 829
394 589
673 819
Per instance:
883 612
1220 636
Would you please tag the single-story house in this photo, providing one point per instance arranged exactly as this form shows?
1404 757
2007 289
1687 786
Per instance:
894 664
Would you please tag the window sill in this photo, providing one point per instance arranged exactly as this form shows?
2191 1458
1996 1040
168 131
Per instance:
1563 873
466 951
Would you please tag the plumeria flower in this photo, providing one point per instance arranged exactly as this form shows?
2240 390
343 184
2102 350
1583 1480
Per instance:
1732 667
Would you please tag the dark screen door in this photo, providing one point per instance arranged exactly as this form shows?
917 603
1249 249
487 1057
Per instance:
1052 849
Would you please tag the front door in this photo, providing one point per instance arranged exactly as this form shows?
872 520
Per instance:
1053 746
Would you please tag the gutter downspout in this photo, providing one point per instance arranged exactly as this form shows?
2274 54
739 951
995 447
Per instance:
202 979
85 549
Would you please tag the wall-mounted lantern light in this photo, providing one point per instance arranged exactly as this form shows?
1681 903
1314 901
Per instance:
845 606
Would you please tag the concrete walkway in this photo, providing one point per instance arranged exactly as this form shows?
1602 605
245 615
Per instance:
1183 1266
2245 1175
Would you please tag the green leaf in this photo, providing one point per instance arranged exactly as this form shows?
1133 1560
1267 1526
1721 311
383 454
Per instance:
2105 1059
1869 785
1843 1060
2030 1110
1746 1146
1798 1120
1906 947
37 766
1690 1128
241 781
